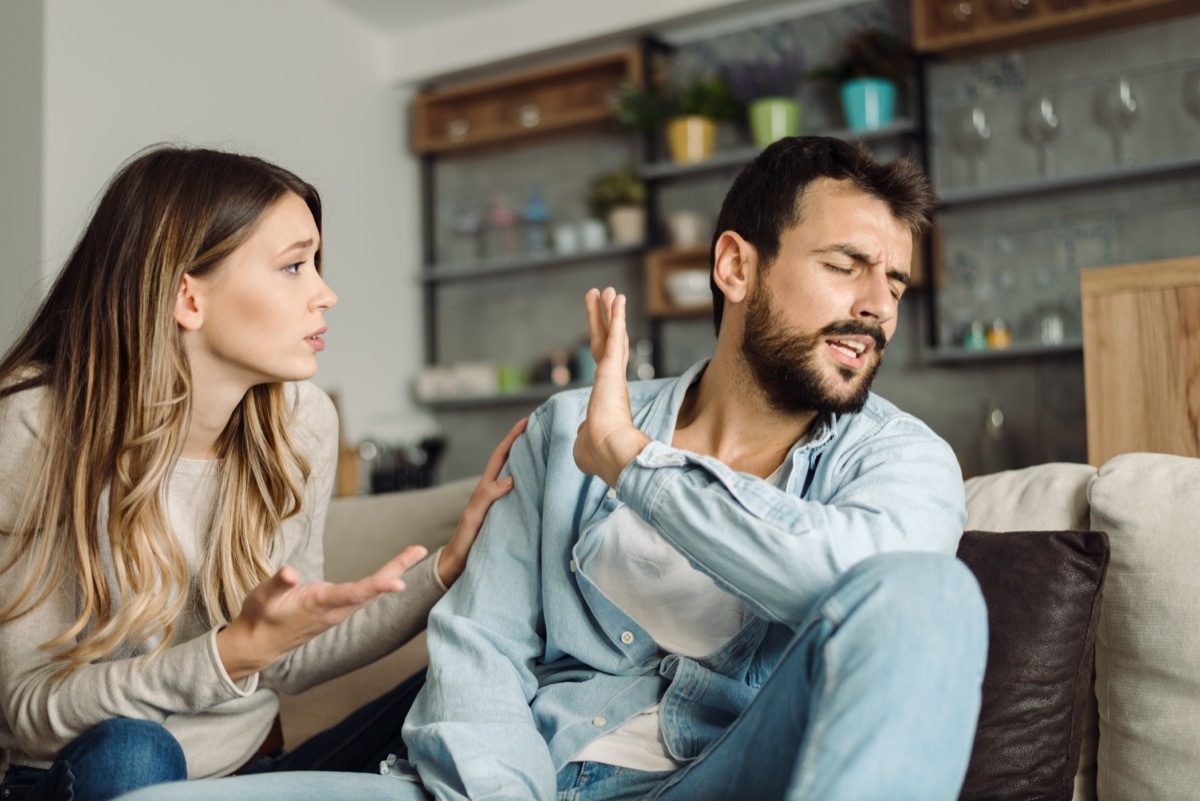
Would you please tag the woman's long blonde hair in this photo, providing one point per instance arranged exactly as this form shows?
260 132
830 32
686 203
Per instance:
105 347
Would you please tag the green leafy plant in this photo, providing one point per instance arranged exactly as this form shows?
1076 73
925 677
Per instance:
619 187
649 108
870 53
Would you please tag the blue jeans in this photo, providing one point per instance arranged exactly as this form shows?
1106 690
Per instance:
876 697
121 755
107 760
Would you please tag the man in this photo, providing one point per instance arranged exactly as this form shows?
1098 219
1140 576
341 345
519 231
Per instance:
736 584
739 583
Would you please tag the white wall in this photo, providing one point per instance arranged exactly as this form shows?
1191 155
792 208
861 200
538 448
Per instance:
299 82
20 164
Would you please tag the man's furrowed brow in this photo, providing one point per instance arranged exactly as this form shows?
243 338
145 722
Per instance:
849 251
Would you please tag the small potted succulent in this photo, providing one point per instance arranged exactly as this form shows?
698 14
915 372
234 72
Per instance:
619 198
873 65
689 113
768 88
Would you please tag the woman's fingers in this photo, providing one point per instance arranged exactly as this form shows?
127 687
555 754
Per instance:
500 455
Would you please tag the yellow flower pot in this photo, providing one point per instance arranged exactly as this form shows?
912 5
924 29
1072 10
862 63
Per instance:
691 138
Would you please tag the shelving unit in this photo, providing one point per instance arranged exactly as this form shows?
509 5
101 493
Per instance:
1027 188
449 273
960 355
665 170
524 397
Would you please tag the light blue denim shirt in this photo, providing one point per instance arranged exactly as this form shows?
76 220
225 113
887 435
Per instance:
529 660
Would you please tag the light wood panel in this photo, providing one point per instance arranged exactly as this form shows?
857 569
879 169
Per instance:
1141 358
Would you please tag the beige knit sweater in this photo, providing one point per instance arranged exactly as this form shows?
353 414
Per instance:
218 722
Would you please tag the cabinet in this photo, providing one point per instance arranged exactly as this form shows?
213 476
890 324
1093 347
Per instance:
1141 358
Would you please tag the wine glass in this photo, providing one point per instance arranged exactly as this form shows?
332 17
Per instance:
1043 126
972 136
1117 107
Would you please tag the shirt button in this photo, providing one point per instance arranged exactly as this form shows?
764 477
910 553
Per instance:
599 721
627 637
612 493
573 566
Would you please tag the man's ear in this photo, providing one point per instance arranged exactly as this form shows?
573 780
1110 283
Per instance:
734 263
189 306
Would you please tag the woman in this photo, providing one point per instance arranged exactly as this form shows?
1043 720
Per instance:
163 488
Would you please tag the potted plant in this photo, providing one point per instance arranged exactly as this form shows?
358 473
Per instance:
689 112
874 63
767 87
619 197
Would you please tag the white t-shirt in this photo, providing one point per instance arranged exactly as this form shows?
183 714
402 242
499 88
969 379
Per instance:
682 608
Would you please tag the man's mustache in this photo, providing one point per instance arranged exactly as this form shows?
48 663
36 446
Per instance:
856 327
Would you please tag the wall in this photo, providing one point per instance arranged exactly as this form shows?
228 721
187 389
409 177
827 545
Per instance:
299 82
20 163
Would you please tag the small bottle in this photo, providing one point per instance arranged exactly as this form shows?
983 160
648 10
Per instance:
998 335
536 214
995 445
976 336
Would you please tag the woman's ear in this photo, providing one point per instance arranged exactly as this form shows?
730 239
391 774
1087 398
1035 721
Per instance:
189 310
734 263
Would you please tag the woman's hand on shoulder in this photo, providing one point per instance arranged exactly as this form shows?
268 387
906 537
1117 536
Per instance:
489 489
282 613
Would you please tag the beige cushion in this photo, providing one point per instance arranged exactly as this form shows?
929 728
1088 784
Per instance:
1148 644
1046 497
360 535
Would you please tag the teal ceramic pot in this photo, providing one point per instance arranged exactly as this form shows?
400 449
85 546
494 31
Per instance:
773 118
868 103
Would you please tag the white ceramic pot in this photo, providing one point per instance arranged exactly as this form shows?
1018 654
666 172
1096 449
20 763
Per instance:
627 224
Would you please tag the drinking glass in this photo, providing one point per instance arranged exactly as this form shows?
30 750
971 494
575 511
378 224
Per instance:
972 136
1117 107
1043 126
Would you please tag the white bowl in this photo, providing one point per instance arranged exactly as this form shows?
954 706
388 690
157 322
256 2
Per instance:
688 287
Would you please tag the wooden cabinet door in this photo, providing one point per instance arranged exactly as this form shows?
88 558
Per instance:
1141 358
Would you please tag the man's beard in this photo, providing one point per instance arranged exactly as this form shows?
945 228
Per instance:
784 363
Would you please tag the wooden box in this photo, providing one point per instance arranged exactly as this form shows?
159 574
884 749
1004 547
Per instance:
514 106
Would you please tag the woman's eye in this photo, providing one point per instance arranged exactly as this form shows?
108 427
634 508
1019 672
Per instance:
293 268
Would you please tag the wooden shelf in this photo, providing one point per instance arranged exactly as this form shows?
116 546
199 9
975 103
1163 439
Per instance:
659 264
936 28
555 98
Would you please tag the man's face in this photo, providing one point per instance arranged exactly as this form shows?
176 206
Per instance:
818 318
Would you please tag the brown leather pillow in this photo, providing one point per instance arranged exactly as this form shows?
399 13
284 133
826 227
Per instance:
1043 595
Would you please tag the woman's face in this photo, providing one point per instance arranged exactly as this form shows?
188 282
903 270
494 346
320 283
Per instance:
260 314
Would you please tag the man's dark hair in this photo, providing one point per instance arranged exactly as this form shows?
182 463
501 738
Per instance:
765 198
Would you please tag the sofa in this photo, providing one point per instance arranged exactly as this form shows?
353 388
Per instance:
1074 561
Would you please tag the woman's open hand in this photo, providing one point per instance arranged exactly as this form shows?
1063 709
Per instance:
282 613
489 489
